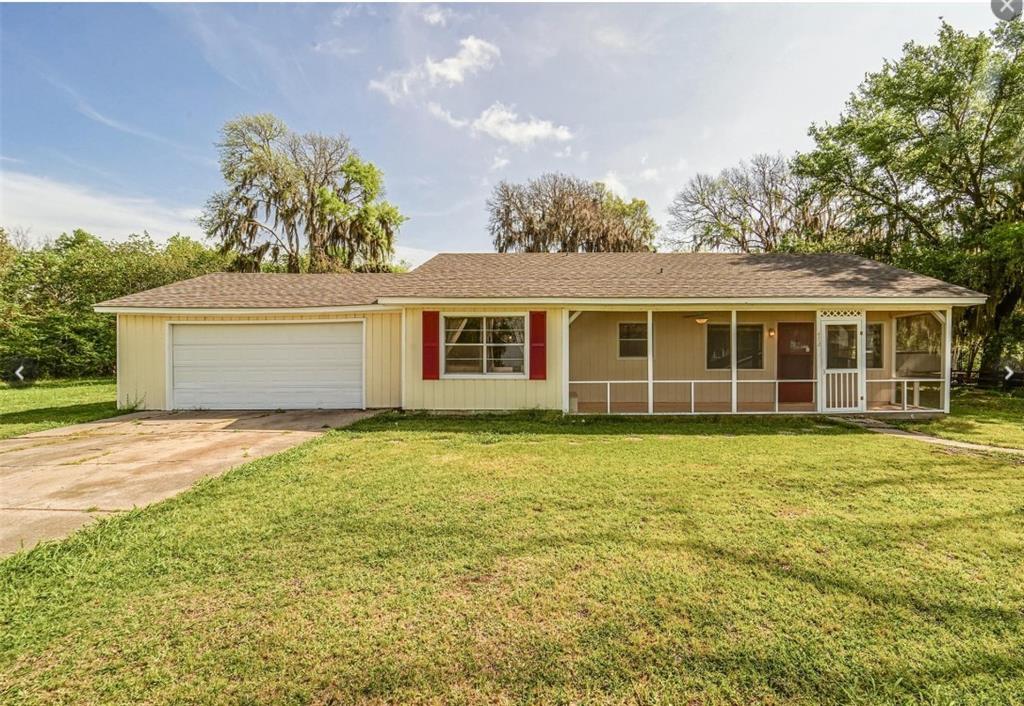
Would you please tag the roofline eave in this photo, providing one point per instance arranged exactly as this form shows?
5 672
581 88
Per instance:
239 311
724 302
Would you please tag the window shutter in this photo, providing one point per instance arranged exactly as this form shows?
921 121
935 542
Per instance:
538 345
431 345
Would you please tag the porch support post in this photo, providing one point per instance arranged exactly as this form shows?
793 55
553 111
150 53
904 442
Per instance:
819 368
401 358
947 365
566 320
732 357
650 362
862 362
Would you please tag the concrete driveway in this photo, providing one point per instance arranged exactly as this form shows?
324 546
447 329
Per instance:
53 482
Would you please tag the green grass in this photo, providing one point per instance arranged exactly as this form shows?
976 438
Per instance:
54 403
414 559
979 416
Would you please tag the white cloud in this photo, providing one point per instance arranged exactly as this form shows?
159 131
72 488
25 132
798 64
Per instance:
474 55
502 123
646 179
441 114
396 85
614 184
93 114
46 208
499 163
613 38
435 16
336 47
564 152
84 108
341 15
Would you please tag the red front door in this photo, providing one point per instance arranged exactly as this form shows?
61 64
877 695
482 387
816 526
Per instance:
796 362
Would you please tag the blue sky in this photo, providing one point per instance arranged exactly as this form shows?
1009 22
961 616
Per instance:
109 113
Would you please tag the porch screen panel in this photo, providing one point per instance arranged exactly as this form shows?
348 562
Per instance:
918 346
749 347
841 345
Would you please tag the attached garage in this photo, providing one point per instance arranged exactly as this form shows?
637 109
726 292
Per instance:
300 365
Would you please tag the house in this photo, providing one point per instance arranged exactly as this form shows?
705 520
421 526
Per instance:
638 333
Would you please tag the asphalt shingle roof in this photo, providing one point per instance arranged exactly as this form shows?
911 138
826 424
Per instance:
557 275
239 290
670 275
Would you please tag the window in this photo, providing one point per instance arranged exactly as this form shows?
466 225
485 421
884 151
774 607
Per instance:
484 345
632 340
749 347
841 346
875 350
918 346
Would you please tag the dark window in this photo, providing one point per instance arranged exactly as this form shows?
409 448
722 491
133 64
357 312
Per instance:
749 347
918 346
875 354
484 344
632 340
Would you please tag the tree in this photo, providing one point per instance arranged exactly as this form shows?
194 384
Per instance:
756 206
47 294
307 201
561 213
930 154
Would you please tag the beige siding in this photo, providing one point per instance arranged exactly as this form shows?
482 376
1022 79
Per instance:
142 355
679 354
482 393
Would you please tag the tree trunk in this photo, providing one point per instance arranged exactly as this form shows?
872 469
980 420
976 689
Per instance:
319 262
991 355
992 348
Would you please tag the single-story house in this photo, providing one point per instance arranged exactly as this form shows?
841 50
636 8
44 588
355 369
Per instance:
636 333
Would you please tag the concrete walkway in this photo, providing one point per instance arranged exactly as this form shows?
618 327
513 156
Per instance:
53 482
879 426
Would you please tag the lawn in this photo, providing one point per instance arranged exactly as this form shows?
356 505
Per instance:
415 559
54 403
979 416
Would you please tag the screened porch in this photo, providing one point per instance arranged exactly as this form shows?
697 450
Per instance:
757 362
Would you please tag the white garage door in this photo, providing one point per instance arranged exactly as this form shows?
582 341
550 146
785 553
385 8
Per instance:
267 366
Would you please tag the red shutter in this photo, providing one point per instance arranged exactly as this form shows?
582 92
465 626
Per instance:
538 345
431 345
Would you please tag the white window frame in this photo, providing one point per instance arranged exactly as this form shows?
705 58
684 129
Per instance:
619 339
707 331
484 315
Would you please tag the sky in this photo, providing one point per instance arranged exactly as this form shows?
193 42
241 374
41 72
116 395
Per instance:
109 114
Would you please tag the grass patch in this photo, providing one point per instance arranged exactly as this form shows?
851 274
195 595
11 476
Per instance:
55 403
527 558
979 416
